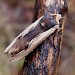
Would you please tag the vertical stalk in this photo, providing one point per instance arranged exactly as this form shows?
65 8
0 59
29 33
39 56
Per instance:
44 59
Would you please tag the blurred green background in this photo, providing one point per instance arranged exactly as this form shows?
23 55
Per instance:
15 16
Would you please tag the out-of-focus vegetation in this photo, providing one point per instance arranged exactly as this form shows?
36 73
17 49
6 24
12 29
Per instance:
67 64
15 16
